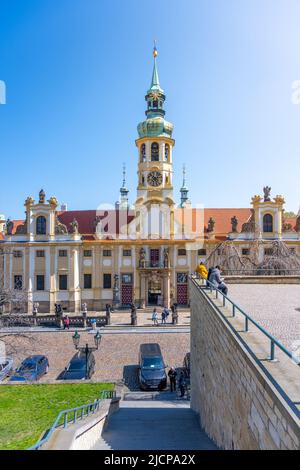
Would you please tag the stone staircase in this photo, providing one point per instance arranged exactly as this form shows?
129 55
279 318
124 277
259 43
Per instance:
152 422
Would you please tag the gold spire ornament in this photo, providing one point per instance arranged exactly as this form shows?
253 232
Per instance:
155 53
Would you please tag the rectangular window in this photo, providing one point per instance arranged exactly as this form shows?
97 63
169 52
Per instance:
126 252
245 251
87 253
202 252
63 282
182 252
63 253
87 281
40 254
268 251
127 279
40 282
18 282
182 278
106 281
18 254
106 252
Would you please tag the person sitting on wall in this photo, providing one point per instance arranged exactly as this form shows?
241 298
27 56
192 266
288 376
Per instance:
217 281
202 270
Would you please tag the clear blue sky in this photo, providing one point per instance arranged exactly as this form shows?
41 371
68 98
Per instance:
77 71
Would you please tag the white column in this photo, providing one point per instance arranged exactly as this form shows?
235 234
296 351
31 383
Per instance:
10 271
47 268
31 273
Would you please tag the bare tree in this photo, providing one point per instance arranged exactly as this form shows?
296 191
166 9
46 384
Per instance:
13 307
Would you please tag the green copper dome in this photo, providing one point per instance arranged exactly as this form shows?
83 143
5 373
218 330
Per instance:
155 125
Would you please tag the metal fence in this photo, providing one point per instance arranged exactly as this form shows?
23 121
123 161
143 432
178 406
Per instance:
73 415
261 272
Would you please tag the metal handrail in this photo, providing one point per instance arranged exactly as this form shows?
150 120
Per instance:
262 272
62 418
273 341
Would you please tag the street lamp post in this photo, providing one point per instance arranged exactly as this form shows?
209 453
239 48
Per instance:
86 349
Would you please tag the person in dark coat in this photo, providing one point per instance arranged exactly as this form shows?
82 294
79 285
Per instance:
172 376
182 385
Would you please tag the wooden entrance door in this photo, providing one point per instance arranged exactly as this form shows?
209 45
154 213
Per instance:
182 288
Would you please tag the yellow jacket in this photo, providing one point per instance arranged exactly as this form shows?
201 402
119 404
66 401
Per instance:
202 271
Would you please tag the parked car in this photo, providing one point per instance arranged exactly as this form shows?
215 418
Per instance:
6 365
32 368
187 365
152 373
78 368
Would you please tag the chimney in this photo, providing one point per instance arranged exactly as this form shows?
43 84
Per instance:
64 207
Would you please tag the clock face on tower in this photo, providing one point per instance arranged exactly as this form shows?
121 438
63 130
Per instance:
154 178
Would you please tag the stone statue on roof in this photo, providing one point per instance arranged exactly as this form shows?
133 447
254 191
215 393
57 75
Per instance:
267 192
74 225
42 197
211 224
9 226
60 229
234 224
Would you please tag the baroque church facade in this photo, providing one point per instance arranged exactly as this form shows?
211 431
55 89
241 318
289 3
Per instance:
141 254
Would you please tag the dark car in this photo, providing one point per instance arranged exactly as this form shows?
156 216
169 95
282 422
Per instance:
187 365
32 368
152 373
80 367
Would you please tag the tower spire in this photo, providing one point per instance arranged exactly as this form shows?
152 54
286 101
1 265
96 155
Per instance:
124 191
184 199
155 85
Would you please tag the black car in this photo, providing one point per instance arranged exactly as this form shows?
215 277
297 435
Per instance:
152 373
80 367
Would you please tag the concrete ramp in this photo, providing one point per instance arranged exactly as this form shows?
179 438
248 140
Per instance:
154 425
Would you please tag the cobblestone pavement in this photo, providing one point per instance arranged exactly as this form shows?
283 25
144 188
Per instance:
116 359
275 306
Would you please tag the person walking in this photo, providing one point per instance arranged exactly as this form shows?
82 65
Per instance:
163 317
182 384
66 322
155 317
172 376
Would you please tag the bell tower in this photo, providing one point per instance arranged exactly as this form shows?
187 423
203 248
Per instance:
155 147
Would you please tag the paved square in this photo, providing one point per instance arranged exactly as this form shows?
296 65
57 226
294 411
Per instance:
275 306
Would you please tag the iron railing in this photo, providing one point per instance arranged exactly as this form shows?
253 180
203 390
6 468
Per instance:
261 272
73 415
248 320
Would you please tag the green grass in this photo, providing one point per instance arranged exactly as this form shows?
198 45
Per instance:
28 410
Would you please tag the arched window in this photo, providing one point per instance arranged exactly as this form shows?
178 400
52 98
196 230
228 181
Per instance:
41 225
143 153
154 152
268 223
167 151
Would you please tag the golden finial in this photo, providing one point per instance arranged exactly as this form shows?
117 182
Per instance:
155 53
